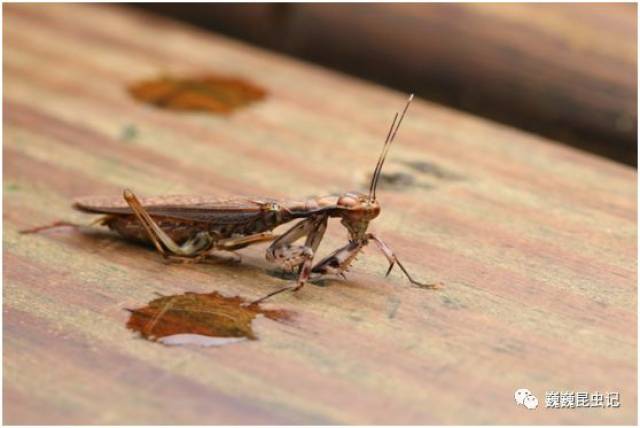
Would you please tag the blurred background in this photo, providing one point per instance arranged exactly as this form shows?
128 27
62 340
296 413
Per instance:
564 71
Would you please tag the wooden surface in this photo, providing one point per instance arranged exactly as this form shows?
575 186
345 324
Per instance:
535 242
567 71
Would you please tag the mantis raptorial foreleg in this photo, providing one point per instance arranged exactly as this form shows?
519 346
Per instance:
284 253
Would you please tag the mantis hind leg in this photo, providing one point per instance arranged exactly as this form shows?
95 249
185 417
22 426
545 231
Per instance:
61 223
192 250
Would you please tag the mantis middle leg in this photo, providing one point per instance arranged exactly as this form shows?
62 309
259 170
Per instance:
340 260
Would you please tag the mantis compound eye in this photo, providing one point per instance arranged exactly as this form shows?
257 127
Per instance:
348 200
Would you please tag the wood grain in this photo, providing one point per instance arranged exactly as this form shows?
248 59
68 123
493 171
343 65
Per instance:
535 242
564 70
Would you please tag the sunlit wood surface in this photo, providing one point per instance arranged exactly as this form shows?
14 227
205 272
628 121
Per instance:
535 243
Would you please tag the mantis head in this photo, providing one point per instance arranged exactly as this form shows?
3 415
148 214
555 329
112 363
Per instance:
358 209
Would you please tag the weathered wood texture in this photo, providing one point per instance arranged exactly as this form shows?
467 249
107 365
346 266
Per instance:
535 242
565 70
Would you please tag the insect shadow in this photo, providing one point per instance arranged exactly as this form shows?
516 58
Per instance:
415 174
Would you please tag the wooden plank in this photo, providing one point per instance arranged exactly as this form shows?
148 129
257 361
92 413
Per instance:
536 244
564 70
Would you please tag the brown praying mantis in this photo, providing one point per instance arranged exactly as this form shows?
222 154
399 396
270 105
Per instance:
192 228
